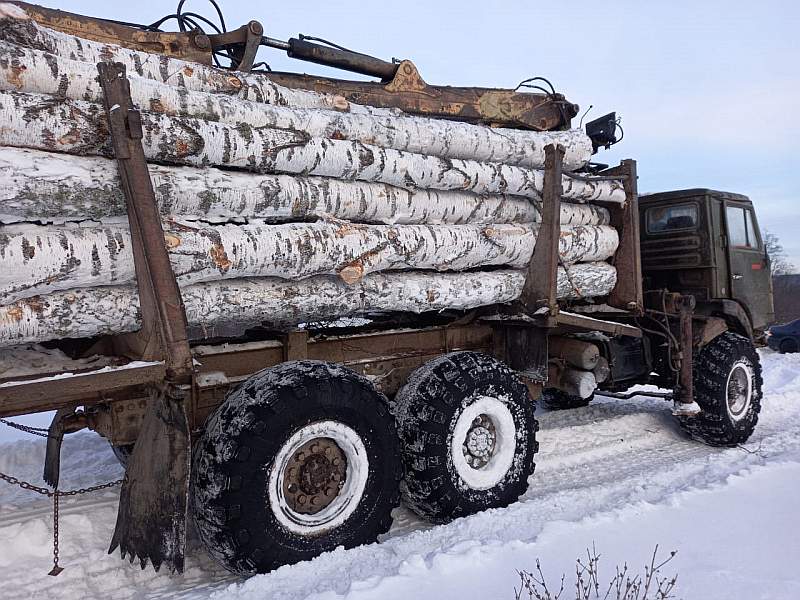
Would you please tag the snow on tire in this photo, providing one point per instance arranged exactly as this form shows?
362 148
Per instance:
468 433
727 387
298 460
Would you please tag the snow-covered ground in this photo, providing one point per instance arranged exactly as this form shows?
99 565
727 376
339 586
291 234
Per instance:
618 474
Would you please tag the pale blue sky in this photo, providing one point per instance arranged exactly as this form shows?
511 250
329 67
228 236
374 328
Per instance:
709 92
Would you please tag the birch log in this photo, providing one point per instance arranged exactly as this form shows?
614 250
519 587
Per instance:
40 260
46 186
16 27
109 310
77 127
27 70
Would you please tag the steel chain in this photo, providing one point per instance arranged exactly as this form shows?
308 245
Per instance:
55 495
40 431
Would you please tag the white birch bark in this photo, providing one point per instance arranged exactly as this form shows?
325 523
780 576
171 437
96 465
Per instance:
578 353
16 27
109 310
47 186
585 280
578 383
38 260
27 70
77 127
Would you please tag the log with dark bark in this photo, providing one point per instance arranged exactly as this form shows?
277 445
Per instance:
27 70
89 312
78 127
47 186
42 259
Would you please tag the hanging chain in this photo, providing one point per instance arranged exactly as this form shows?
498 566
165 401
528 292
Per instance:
56 568
40 431
55 495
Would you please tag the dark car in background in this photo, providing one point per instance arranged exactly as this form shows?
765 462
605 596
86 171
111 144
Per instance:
785 338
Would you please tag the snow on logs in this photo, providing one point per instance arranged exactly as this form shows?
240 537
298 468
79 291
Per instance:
45 186
77 127
28 70
38 260
87 312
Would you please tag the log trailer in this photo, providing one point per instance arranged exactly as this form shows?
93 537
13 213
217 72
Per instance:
284 444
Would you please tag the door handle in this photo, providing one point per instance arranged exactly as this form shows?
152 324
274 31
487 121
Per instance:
737 276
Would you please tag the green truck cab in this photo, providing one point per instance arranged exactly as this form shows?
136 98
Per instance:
707 244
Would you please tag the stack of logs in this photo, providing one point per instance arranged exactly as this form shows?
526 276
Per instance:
576 366
279 206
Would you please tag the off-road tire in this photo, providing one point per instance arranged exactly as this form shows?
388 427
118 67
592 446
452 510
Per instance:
426 410
236 454
788 346
715 425
557 400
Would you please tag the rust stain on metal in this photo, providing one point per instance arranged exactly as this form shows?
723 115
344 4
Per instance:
175 44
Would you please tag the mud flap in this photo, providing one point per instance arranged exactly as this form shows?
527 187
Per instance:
151 521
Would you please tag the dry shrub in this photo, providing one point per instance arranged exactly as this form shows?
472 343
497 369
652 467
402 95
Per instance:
624 585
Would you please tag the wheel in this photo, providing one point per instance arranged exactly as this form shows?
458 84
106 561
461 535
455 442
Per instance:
468 433
727 387
557 400
300 459
788 345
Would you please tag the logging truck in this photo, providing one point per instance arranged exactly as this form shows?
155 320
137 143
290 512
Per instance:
282 440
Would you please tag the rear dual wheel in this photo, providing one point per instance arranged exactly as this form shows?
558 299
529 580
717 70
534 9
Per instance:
468 435
304 457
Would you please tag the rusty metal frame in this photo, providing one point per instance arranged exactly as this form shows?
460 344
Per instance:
174 44
542 274
410 93
627 294
163 335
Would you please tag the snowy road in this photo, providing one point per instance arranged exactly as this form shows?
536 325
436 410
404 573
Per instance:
619 473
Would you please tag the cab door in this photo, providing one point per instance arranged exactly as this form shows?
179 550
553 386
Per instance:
748 265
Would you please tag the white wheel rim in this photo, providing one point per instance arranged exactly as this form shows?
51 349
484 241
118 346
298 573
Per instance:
349 496
739 389
502 453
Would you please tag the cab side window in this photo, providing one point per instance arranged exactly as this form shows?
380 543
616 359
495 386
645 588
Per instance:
741 230
662 219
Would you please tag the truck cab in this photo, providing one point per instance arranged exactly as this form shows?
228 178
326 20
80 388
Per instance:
707 244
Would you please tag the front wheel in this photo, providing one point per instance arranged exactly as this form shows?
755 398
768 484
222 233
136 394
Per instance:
727 387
